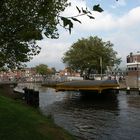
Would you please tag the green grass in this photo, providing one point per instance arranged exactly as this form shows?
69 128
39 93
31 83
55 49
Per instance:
21 122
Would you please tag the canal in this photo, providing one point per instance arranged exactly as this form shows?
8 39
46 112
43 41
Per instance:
109 117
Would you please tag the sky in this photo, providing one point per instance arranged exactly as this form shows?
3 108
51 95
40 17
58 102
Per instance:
119 23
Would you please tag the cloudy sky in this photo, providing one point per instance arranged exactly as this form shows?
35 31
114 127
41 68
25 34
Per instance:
119 23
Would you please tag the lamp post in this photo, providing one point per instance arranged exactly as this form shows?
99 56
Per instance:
137 72
137 75
101 66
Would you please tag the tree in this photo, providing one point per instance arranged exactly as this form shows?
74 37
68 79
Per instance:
42 69
22 22
53 70
86 55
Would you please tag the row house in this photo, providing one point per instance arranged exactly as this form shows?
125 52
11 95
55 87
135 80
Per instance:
26 74
29 74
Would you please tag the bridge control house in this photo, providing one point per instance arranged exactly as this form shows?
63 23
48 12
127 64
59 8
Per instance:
133 70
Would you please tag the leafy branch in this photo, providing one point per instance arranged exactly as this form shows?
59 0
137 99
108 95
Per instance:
68 21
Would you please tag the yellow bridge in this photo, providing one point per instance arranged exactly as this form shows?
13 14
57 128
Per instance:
88 85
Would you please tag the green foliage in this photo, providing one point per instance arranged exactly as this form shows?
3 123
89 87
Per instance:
97 8
78 9
22 23
67 21
85 55
53 70
42 69
75 19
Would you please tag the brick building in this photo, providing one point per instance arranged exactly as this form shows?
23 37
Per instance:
26 74
68 72
133 70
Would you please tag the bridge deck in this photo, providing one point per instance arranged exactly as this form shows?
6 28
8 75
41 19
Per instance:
89 85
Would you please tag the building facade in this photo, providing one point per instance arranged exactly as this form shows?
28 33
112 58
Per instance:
24 75
30 75
133 70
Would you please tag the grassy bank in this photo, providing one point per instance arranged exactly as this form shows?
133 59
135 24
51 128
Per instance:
21 122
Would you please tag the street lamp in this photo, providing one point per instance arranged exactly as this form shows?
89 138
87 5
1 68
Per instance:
137 75
101 66
137 72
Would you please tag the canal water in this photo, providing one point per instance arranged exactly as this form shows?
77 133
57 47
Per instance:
109 117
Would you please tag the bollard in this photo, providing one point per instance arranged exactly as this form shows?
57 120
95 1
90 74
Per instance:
128 90
31 97
25 93
28 96
35 99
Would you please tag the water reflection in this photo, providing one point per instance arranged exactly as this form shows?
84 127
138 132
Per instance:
84 116
133 100
95 117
